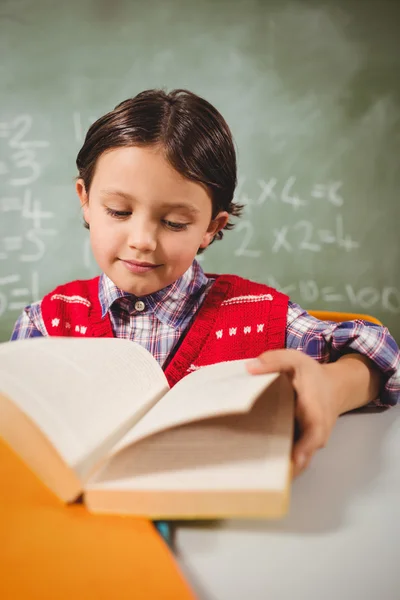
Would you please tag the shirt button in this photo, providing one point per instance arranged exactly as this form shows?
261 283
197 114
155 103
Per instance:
139 305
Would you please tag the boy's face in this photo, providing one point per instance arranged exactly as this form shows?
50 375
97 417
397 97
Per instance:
147 222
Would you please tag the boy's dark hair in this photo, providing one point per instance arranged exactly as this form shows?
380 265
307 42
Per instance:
195 137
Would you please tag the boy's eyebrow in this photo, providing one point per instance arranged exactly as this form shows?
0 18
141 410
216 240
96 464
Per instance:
117 193
181 206
170 206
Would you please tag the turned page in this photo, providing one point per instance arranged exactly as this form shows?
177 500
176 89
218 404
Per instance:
84 394
210 391
246 452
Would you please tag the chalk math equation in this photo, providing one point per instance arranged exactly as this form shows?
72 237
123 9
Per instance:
303 235
25 224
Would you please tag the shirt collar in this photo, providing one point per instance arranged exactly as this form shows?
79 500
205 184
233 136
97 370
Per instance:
171 305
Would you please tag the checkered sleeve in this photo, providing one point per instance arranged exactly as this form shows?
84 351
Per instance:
326 341
29 324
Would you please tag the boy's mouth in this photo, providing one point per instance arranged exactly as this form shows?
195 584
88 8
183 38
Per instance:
136 266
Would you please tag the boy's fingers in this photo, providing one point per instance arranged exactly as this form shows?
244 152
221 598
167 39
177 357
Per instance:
300 464
312 438
301 457
275 360
313 429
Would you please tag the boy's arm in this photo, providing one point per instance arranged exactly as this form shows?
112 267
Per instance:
327 341
355 380
360 364
323 392
29 324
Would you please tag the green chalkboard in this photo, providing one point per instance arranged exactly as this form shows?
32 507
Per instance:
311 91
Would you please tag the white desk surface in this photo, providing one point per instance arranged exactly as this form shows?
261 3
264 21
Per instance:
340 541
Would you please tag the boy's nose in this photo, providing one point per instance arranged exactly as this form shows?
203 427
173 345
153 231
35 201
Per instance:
142 238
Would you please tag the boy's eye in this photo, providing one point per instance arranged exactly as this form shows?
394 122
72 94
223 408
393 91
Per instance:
175 226
118 214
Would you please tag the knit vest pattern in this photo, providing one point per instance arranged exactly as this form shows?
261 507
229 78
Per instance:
238 319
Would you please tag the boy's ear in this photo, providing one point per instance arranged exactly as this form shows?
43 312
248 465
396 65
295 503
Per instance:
83 197
214 227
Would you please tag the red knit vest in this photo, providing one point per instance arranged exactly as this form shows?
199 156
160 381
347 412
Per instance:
238 319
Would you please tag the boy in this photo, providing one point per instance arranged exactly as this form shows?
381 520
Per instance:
156 182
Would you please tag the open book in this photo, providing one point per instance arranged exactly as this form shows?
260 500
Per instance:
96 417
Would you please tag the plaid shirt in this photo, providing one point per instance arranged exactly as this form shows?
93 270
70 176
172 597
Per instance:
169 312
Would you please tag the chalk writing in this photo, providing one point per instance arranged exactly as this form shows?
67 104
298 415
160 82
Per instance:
329 192
306 237
9 204
274 190
36 244
287 193
244 249
362 298
15 294
31 209
81 126
29 243
26 225
24 167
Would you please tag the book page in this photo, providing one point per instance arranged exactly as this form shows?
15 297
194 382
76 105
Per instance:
244 452
82 393
214 390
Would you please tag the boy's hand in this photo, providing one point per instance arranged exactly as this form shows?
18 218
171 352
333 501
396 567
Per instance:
317 406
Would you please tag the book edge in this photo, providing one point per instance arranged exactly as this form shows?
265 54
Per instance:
28 441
